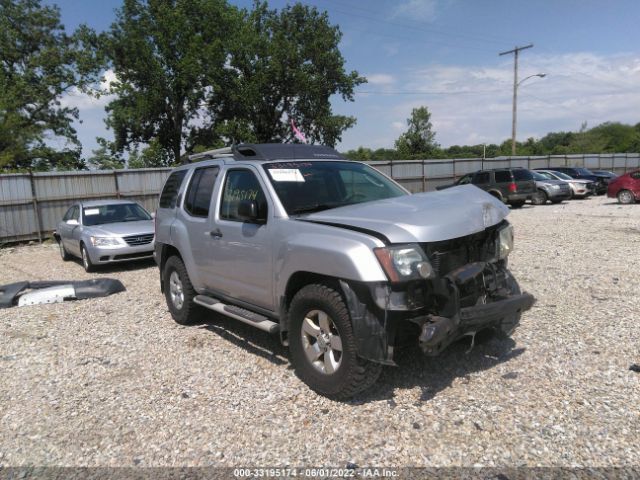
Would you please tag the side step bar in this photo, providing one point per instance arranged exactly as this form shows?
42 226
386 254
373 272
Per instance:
246 316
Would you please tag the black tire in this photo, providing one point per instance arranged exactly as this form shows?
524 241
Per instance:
353 374
539 198
185 312
86 260
557 201
626 197
63 251
517 204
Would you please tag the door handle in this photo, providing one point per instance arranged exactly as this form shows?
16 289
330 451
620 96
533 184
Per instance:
216 233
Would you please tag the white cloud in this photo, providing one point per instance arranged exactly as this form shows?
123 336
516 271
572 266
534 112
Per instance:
425 10
380 79
399 126
85 101
472 104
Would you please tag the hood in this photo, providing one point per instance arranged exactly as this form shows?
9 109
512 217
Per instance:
141 227
421 217
576 180
551 182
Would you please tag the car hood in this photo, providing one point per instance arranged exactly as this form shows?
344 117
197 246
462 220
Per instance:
141 227
550 182
421 217
576 180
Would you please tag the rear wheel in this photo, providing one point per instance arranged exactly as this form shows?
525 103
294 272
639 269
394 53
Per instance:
178 291
322 344
63 251
539 198
626 197
86 260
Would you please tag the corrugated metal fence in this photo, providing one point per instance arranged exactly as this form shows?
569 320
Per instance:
32 204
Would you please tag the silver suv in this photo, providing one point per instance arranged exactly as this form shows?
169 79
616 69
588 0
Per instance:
334 257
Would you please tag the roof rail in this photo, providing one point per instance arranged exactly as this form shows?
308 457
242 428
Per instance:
215 153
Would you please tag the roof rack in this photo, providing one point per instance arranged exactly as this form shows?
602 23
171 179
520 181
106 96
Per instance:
270 151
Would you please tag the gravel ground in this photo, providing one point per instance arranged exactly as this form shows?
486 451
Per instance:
115 382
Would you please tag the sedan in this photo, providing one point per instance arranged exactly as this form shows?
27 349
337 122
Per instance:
579 188
105 231
626 188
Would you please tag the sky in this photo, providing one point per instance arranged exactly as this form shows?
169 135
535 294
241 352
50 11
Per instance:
444 54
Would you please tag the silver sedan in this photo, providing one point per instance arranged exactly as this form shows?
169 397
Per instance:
105 231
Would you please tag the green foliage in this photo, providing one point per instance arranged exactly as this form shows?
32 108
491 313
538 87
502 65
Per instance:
39 63
169 60
419 139
105 157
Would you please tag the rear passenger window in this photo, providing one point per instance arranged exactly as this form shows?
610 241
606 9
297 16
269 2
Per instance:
200 189
482 177
171 188
503 176
241 185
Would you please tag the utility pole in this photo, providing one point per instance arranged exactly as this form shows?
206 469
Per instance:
515 51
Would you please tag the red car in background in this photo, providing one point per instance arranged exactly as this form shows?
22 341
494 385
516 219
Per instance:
626 188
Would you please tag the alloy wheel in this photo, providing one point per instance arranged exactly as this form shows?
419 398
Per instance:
176 290
321 342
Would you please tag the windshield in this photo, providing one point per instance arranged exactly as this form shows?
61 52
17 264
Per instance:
305 187
118 212
562 176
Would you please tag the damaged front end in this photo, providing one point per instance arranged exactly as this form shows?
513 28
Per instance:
441 291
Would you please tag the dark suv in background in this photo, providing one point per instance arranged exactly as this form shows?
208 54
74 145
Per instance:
601 180
511 185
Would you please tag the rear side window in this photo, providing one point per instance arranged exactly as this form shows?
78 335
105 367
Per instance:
503 176
171 188
522 174
200 189
482 177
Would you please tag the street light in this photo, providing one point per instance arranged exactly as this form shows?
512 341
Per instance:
516 84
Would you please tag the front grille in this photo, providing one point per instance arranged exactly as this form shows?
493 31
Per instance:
135 240
449 255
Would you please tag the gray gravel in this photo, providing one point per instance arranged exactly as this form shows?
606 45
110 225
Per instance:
115 382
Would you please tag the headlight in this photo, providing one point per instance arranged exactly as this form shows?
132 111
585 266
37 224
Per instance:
105 241
555 187
404 262
504 242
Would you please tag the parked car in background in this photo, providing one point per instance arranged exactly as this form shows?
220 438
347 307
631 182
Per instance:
510 185
626 188
548 189
105 231
579 188
601 181
606 173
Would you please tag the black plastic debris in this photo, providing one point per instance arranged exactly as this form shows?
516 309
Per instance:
635 368
79 290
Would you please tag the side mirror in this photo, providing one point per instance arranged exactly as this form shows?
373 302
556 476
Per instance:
153 214
248 211
73 222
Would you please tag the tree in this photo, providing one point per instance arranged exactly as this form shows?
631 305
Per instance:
169 60
39 63
286 66
419 139
105 157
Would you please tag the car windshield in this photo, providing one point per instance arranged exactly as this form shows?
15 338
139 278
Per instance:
117 212
562 176
305 187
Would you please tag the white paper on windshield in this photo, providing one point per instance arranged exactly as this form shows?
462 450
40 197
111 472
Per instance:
286 175
92 211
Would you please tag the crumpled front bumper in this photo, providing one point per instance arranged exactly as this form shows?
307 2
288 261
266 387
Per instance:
438 332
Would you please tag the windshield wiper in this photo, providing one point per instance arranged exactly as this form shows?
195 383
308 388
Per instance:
316 207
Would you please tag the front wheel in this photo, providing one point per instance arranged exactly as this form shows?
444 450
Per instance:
86 260
517 204
63 251
322 344
626 197
540 198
